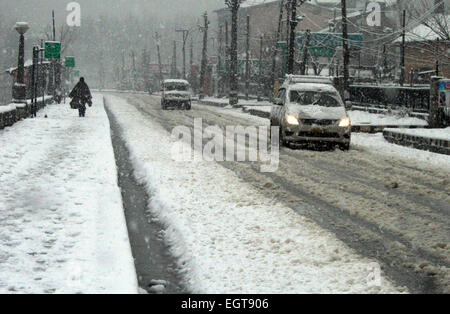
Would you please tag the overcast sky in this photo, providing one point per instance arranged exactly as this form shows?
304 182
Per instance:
40 10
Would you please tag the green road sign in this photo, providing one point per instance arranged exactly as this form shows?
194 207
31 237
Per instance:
76 73
70 62
321 52
52 50
331 40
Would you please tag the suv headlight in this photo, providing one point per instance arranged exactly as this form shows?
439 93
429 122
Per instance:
345 123
292 120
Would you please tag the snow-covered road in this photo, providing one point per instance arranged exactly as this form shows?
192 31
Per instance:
62 227
391 208
228 236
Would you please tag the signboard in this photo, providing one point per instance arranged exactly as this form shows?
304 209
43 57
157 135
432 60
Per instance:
70 62
76 73
444 85
324 44
321 52
52 50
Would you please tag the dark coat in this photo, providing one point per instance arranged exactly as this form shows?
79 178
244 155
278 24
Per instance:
81 92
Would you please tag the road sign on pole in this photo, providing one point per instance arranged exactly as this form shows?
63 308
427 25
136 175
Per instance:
52 50
325 44
70 62
321 52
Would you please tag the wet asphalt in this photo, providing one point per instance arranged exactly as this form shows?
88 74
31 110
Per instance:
153 261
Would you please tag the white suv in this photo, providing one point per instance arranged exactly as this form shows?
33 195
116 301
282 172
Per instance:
310 109
176 93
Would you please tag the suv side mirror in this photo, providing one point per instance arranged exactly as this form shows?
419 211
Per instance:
348 105
278 101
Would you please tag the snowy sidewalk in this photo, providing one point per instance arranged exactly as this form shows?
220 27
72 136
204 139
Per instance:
62 227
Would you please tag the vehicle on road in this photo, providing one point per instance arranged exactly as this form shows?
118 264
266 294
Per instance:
176 94
310 110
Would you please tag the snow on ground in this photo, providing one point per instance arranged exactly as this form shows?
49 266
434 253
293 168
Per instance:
376 143
227 236
62 227
443 134
242 102
366 118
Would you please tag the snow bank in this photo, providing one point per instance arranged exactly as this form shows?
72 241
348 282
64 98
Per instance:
7 108
227 236
365 118
377 143
62 226
442 134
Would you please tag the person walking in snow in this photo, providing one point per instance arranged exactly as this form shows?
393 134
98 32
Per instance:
80 96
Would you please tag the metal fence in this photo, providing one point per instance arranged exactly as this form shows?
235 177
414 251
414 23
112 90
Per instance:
415 98
5 89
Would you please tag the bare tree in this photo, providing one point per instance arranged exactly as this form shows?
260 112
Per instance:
430 14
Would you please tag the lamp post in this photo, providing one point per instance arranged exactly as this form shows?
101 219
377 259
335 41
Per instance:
19 89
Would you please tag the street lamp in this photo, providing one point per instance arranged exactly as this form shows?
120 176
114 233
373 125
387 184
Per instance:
19 89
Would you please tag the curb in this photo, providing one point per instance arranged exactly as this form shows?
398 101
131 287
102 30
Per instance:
434 145
423 116
380 128
212 103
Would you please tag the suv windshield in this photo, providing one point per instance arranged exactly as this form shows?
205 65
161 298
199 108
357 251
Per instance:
176 86
324 99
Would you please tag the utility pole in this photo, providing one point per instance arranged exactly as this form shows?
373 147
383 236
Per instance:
261 79
305 53
204 55
54 28
402 60
346 51
34 79
123 80
227 58
43 78
288 9
275 50
185 34
146 60
247 59
158 43
174 60
191 60
220 61
53 61
133 60
293 24
234 87
437 56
